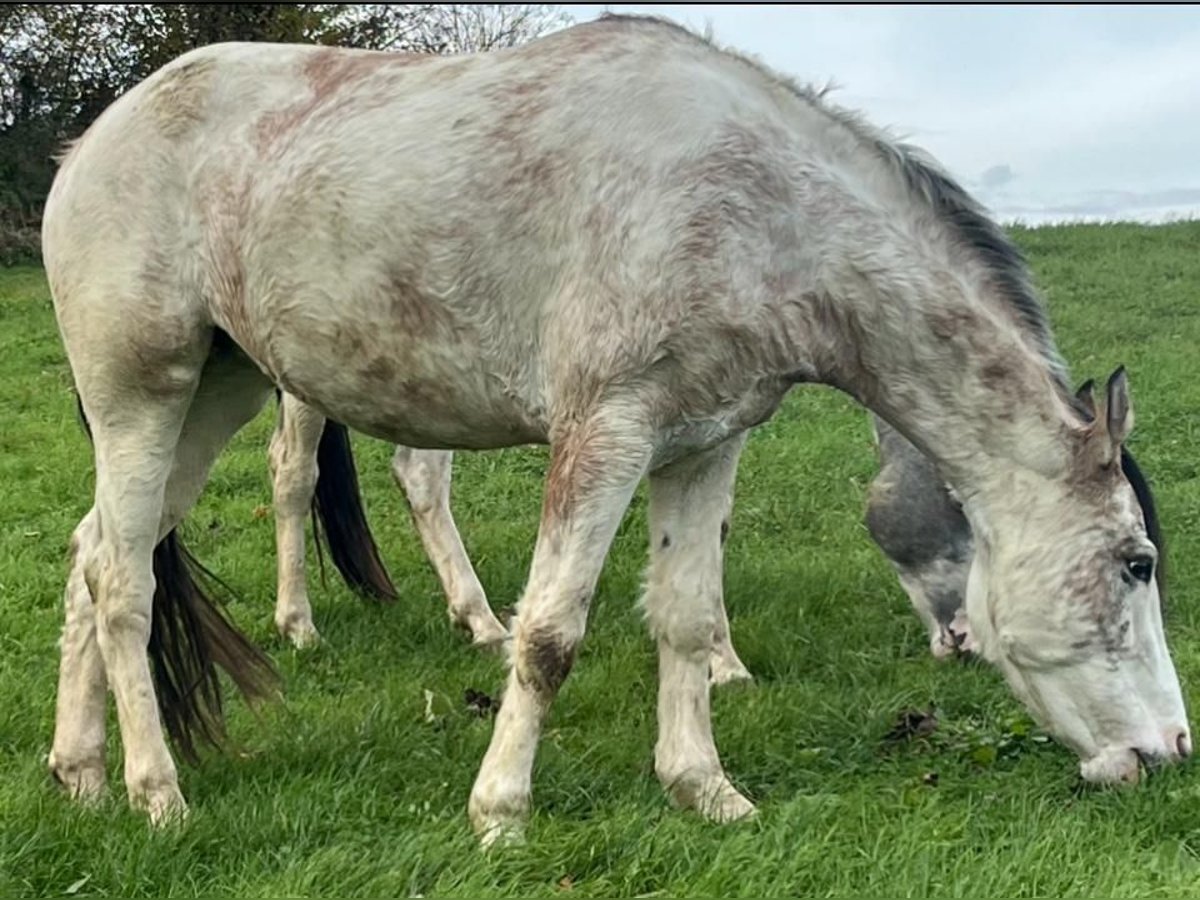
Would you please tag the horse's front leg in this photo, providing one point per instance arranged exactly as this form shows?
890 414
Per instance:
689 502
594 470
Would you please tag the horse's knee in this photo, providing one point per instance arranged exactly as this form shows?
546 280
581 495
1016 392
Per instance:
123 594
688 628
295 483
543 658
424 479
682 603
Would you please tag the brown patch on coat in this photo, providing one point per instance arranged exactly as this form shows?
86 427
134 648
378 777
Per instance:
226 205
996 374
732 181
516 108
328 73
577 462
545 662
381 370
950 323
701 235
1089 584
413 312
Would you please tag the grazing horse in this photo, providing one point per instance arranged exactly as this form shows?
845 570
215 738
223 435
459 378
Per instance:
313 467
620 241
919 524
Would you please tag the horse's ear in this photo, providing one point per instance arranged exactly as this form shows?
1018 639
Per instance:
1112 420
1118 408
1086 395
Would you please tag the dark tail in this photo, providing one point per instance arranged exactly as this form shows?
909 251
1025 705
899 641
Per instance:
337 506
190 638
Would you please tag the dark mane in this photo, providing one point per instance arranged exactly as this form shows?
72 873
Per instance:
1145 499
1008 270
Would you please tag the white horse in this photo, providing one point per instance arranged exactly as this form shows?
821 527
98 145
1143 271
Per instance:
618 240
313 468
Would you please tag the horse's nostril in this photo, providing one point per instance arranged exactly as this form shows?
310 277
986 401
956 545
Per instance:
1183 744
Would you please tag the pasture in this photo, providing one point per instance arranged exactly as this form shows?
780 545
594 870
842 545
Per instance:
357 786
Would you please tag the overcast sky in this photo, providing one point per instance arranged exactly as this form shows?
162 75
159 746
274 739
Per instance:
1048 113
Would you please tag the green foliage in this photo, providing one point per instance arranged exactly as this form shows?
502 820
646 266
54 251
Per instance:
347 790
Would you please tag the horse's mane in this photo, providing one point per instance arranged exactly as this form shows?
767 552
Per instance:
1145 499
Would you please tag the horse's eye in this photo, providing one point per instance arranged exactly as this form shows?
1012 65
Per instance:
1141 568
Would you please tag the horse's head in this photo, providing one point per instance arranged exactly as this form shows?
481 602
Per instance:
1064 597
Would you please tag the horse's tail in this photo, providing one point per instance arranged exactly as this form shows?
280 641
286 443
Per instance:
340 520
190 638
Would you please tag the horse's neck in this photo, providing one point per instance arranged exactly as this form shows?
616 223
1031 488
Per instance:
952 370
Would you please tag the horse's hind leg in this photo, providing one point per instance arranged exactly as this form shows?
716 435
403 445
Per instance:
689 501
77 754
424 475
135 434
293 457
153 452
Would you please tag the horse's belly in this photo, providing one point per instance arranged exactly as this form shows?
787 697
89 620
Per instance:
409 390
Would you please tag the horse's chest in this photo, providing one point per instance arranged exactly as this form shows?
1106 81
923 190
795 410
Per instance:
702 432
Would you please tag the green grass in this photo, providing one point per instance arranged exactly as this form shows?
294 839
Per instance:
346 790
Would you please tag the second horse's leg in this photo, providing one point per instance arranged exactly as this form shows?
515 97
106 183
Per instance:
424 475
293 457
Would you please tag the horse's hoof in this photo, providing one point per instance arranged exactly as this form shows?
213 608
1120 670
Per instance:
499 833
722 671
301 632
84 782
712 796
730 807
498 823
484 628
491 637
164 804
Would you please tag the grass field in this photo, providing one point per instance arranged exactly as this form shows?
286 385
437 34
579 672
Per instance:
347 790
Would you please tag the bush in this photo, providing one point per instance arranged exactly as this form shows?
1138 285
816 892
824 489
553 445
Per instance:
20 245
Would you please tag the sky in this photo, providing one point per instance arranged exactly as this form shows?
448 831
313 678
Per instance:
1046 113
